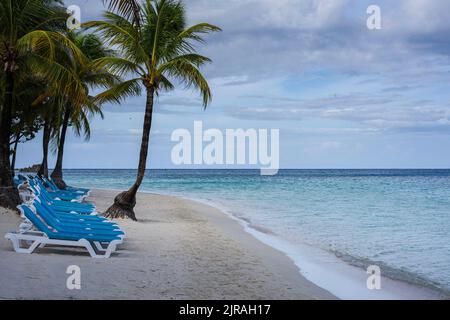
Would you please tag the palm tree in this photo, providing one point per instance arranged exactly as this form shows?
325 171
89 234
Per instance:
90 75
157 48
49 131
22 35
26 118
78 117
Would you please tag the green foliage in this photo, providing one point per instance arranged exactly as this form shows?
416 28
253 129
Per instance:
53 69
147 43
156 48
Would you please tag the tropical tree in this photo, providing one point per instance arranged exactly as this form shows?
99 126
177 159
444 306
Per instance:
157 48
23 35
26 118
77 111
50 130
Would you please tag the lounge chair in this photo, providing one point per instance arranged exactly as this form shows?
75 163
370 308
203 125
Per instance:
61 195
54 187
99 244
68 197
75 220
60 206
63 206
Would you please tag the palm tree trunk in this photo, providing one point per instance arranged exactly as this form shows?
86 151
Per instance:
14 156
57 174
43 170
9 196
125 202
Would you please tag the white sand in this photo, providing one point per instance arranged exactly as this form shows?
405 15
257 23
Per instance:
178 250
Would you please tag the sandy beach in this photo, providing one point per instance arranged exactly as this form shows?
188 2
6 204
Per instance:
179 249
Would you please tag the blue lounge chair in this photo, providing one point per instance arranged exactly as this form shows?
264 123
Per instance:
54 187
61 195
63 206
81 227
60 206
93 240
37 184
76 219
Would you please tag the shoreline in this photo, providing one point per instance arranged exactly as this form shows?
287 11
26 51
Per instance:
326 270
179 249
311 273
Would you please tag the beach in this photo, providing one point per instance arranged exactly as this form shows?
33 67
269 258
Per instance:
258 164
179 249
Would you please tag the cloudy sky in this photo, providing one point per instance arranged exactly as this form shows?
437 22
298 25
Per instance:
343 96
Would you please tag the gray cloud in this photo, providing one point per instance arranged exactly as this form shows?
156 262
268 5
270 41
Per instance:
266 38
378 112
312 68
168 103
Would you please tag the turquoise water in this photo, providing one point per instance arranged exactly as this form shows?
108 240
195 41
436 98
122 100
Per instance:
398 219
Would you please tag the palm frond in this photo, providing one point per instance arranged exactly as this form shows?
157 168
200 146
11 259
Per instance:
165 84
190 75
120 33
195 33
131 9
118 66
160 49
119 92
46 43
193 58
64 81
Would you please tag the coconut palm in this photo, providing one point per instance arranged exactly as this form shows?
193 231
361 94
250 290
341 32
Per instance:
76 111
26 117
78 118
49 132
129 9
24 35
157 49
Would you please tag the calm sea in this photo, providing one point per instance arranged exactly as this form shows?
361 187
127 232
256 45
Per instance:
398 219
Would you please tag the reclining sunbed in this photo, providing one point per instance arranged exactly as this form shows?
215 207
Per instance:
99 242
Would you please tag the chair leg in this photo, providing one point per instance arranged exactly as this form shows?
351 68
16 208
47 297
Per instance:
107 252
15 242
89 248
18 248
33 247
111 248
99 247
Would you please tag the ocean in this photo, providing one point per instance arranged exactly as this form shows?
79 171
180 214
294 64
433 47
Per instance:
396 219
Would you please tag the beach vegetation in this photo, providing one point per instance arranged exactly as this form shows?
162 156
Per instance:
46 80
157 53
53 78
28 34
78 108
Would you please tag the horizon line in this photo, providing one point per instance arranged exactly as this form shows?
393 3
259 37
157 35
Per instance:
256 169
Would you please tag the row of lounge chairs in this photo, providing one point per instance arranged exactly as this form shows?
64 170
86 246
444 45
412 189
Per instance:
55 217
